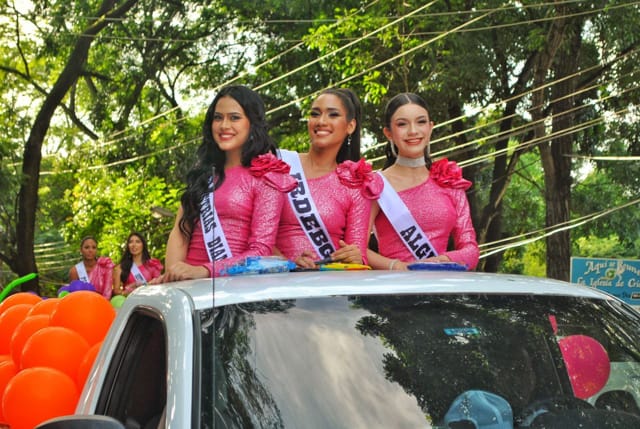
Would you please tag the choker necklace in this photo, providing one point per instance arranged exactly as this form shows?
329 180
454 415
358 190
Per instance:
410 162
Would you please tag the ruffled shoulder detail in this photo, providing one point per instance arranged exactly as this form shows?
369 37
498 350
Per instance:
359 175
106 262
448 174
274 171
155 264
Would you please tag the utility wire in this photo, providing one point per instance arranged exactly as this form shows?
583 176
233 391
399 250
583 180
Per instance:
111 141
491 248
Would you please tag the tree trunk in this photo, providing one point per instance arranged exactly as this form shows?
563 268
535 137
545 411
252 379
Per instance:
556 157
28 195
542 67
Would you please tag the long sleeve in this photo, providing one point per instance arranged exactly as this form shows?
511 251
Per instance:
464 235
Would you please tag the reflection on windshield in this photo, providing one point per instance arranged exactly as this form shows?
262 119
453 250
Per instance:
405 361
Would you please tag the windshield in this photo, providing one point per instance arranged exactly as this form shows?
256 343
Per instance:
418 360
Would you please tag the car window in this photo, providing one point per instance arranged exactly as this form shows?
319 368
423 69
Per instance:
137 374
405 361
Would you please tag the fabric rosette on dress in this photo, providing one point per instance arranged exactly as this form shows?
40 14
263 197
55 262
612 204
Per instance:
360 175
155 267
101 276
274 171
448 174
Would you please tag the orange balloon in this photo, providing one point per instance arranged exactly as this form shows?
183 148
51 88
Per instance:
86 364
23 332
45 306
11 318
19 298
35 395
88 313
55 347
7 370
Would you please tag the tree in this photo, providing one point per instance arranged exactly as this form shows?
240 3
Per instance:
24 262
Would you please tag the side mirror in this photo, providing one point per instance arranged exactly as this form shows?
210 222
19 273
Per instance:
81 422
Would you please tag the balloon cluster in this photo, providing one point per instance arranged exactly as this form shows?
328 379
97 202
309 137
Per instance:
47 348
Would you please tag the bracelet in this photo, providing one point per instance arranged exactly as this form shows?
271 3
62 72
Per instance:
392 263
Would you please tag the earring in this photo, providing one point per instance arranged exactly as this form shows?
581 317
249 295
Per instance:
393 148
349 140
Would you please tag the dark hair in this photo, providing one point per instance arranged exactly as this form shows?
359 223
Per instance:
394 104
127 258
350 148
87 237
209 155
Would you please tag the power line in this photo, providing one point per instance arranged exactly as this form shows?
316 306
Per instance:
458 29
492 248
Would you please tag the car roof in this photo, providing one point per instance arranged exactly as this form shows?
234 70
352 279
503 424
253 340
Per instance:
252 288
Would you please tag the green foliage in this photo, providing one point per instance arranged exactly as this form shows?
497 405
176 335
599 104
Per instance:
600 247
110 209
527 260
597 193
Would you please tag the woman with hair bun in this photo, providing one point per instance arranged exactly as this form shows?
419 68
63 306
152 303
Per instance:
93 269
327 215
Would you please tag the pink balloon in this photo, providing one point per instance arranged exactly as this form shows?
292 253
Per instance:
587 364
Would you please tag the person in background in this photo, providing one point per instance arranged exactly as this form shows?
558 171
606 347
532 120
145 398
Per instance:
327 215
136 267
236 159
93 269
423 203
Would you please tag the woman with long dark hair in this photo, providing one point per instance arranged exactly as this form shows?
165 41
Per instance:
136 267
235 192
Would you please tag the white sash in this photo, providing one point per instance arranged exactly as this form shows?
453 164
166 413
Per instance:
305 209
82 272
214 238
403 222
137 274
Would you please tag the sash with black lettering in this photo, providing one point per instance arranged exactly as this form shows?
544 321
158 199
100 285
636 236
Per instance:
137 274
82 272
404 223
305 209
214 238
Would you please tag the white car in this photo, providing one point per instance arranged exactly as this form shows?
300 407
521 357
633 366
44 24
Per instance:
366 349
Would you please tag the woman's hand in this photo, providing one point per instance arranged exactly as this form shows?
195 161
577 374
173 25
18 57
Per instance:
306 260
348 254
182 271
439 258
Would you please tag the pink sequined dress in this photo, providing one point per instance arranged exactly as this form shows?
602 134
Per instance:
248 203
150 270
343 199
441 208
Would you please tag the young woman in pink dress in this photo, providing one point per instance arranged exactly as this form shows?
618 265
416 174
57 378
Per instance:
235 192
435 203
93 269
327 215
136 267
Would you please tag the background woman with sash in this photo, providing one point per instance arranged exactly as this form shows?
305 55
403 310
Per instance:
136 267
327 215
250 189
435 203
94 270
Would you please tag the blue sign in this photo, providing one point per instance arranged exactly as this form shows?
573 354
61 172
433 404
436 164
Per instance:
619 277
